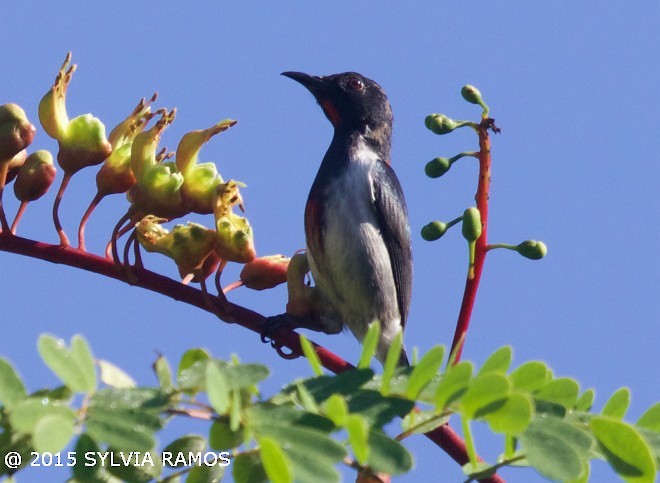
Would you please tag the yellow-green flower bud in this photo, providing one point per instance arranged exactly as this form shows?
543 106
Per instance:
434 230
35 176
532 249
158 187
235 239
440 124
188 245
116 176
471 224
16 132
82 140
199 180
265 272
437 167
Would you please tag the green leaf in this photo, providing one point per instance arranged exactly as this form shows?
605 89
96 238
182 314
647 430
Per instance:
391 363
124 429
247 468
453 384
578 438
625 449
530 376
13 441
191 373
617 405
418 422
485 394
513 416
358 436
163 373
651 418
306 399
653 439
563 391
551 455
52 433
26 414
222 437
346 383
369 345
207 474
286 416
387 455
143 398
235 410
81 471
189 443
377 409
12 389
82 355
499 361
336 409
134 466
586 400
115 377
217 388
74 367
277 466
311 355
303 440
424 371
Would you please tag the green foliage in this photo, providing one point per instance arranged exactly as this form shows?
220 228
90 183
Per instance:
312 425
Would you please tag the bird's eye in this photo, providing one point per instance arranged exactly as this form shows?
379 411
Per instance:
355 84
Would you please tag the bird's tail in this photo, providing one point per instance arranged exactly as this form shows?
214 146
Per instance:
403 358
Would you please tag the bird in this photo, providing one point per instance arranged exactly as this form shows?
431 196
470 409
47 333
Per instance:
356 222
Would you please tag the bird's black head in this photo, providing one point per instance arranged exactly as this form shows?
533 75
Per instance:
349 100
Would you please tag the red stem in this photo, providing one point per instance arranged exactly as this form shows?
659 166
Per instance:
472 282
443 436
19 215
64 240
4 168
83 222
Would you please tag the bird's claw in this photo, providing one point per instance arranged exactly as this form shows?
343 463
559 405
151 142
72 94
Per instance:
272 325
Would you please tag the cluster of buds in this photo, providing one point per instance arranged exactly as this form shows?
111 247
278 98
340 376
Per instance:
171 189
197 250
472 224
34 174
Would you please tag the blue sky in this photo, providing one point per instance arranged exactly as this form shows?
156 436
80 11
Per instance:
572 86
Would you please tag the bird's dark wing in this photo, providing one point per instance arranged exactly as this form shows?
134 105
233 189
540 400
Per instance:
392 215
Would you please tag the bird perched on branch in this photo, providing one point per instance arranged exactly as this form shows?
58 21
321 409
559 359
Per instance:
356 222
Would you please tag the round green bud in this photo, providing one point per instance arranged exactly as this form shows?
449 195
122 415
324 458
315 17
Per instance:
428 119
440 124
471 224
532 249
471 94
437 167
434 230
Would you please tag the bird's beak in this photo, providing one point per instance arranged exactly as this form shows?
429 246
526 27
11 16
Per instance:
316 85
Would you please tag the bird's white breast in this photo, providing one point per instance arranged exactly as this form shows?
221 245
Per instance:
354 272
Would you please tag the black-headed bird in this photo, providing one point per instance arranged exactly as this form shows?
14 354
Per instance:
356 221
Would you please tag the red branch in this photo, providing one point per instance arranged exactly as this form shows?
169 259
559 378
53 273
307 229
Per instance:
231 313
472 282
